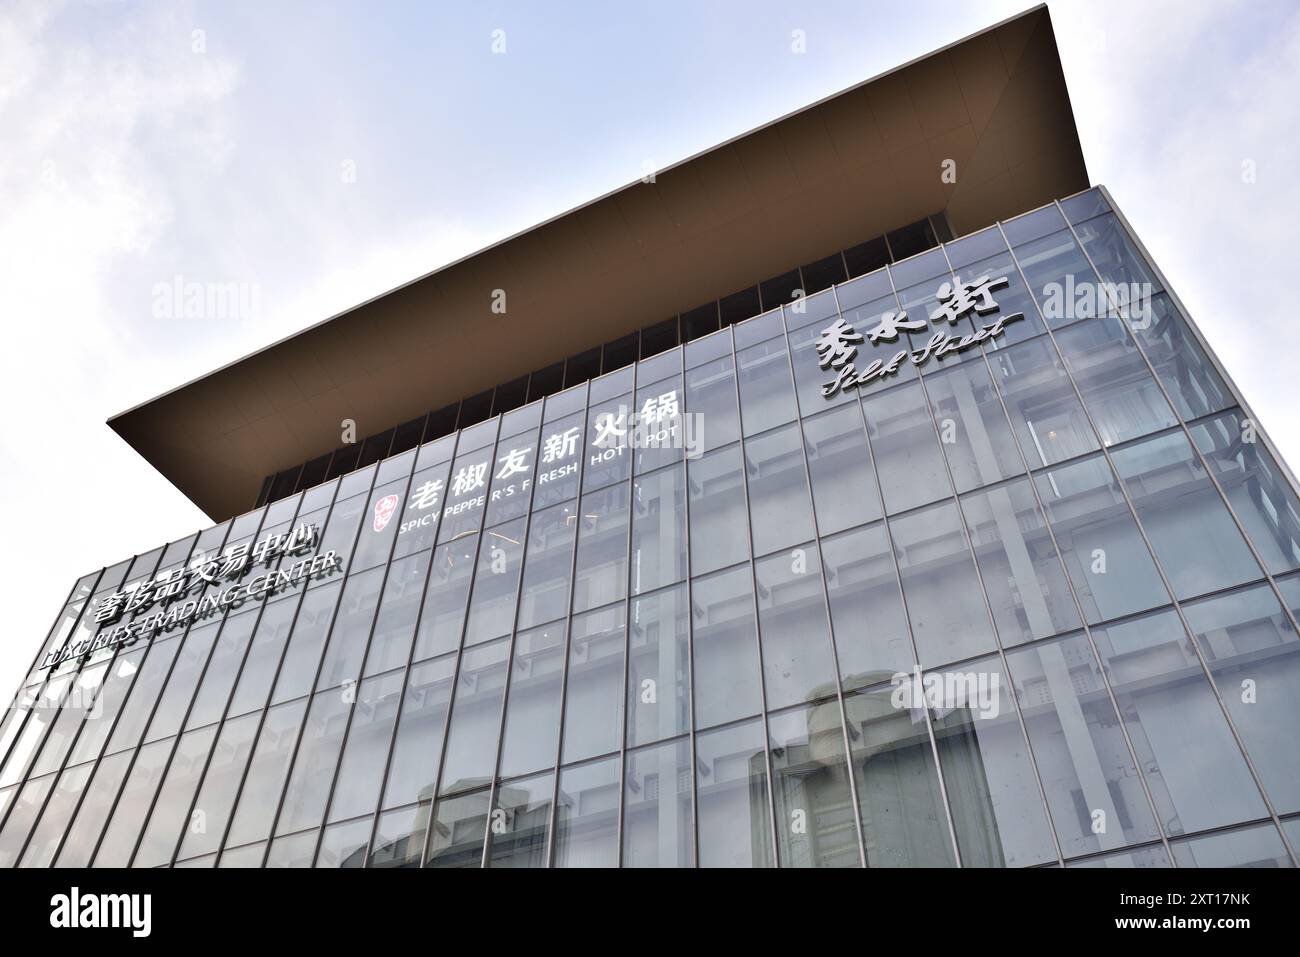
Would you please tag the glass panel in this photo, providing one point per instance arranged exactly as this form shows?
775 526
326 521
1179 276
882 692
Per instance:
600 576
903 817
532 731
301 661
351 632
313 768
418 522
1176 725
658 688
217 795
872 640
93 814
512 478
361 769
399 838
1012 298
809 376
443 615
734 807
658 529
178 694
1113 253
1105 556
1260 495
944 600
378 529
906 449
843 481
561 457
1059 276
719 533
1092 785
295 850
660 430
466 495
1113 379
766 389
263 659
250 855
223 667
726 648
608 460
1257 846
814 809
1194 385
586 819
973 429
390 646
266 773
779 505
496 583
1153 856
54 820
1043 406
521 817
1184 517
413 772
69 718
459 827
547 564
657 827
1022 572
996 806
23 815
798 661
476 717
1254 659
108 704
593 713
167 822
711 395
133 805
344 845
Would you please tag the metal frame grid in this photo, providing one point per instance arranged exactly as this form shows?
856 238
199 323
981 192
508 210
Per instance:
885 519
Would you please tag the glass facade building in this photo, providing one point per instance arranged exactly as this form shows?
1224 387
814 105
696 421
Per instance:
544 643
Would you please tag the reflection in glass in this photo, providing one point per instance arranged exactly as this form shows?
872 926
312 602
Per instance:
902 812
586 817
734 807
814 809
944 600
532 729
1199 546
1177 727
593 712
779 506
521 817
1022 573
726 648
1104 554
798 662
1092 785
657 823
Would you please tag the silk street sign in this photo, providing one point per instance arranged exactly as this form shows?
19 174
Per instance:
837 346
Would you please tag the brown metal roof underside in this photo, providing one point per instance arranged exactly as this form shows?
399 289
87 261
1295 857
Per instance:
849 168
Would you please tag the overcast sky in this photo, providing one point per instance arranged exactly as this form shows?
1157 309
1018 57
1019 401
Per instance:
213 141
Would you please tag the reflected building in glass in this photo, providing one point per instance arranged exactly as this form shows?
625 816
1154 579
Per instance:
687 594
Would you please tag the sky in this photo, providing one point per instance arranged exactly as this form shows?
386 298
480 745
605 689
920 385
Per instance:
320 153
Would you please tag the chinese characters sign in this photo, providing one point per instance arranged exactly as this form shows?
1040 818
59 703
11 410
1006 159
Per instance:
173 595
837 346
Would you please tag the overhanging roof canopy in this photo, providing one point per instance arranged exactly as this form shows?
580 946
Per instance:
851 167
